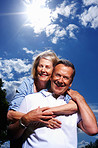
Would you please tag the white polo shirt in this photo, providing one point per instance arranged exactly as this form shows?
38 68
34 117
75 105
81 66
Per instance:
44 137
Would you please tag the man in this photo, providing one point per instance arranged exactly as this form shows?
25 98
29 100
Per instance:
39 136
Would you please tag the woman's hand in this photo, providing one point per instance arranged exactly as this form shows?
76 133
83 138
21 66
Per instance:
53 123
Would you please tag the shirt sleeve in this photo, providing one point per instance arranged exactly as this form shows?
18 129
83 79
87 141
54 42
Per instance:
23 106
67 98
78 118
24 89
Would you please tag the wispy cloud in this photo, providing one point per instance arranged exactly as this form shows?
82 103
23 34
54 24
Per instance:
28 51
31 51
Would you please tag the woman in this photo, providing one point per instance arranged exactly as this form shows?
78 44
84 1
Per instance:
41 72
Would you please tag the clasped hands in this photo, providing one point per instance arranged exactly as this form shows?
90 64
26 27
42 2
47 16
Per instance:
41 117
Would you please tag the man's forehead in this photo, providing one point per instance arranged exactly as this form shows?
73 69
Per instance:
61 68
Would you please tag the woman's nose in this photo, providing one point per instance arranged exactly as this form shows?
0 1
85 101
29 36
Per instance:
43 68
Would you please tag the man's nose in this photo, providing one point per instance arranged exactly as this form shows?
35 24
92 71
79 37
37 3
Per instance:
61 79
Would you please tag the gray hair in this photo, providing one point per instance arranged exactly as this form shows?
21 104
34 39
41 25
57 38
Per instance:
49 55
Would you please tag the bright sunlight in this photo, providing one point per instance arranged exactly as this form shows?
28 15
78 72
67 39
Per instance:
38 15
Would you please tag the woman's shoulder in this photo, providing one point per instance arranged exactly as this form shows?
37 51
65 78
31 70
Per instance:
28 80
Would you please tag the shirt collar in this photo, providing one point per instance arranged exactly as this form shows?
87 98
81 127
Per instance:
46 93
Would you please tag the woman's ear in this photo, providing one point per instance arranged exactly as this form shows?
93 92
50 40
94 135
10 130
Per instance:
50 78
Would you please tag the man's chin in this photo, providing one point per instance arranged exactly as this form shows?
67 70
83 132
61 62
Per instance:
58 93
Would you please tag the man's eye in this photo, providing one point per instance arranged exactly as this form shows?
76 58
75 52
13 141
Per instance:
65 77
58 75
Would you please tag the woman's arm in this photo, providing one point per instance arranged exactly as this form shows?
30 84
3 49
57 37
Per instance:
13 116
66 109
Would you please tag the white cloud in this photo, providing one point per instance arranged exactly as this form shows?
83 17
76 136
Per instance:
90 2
18 65
71 28
56 32
46 19
90 17
59 34
51 29
82 144
28 51
64 9
10 87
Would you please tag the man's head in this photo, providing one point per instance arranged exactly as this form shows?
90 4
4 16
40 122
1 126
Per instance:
62 77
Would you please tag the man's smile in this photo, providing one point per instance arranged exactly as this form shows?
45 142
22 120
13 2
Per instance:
58 84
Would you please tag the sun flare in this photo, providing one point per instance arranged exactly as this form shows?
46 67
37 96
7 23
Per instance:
38 15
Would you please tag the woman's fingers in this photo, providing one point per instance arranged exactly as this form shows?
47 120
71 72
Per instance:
54 123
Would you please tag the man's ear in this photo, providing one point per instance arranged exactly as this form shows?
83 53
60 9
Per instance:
70 84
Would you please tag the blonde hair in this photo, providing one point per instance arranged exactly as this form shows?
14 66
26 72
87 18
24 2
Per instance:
49 55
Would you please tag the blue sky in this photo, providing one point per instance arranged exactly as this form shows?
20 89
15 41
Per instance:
70 28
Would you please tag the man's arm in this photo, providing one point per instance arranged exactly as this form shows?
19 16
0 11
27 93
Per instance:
88 123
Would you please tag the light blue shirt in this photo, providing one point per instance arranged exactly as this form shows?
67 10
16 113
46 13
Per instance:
26 88
23 90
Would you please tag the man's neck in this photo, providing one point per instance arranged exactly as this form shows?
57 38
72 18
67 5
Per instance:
56 95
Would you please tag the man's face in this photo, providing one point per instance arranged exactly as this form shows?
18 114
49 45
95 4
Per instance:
61 79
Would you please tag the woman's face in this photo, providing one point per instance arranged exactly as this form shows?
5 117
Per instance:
44 70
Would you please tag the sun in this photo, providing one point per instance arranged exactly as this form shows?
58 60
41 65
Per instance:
38 15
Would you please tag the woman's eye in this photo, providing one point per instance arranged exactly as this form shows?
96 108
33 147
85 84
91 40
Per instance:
40 66
47 67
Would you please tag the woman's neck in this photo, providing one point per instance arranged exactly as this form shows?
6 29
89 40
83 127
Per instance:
39 85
